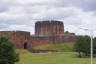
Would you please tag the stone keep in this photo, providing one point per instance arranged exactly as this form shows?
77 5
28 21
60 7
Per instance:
46 32
49 28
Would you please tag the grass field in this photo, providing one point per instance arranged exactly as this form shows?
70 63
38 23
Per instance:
53 58
66 47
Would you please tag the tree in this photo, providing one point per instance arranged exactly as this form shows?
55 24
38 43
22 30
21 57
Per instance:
7 52
78 45
86 45
94 45
82 45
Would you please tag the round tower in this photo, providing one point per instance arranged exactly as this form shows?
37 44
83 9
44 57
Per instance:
47 28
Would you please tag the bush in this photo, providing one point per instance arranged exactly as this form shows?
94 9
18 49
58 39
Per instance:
7 52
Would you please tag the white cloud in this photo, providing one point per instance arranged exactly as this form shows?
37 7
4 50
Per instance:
22 14
82 19
24 2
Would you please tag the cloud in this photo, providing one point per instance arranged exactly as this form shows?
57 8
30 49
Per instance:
86 5
33 1
4 5
22 14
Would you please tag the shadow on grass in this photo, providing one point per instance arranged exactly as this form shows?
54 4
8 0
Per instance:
84 56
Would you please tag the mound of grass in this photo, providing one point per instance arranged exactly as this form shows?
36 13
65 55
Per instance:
54 58
66 47
22 51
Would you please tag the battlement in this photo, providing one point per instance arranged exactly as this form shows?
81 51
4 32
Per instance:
13 32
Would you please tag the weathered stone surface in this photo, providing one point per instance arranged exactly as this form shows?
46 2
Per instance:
37 41
19 38
48 28
46 32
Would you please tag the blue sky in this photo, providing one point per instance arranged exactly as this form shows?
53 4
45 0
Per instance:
22 14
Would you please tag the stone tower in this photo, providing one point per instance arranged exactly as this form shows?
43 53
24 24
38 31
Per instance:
47 28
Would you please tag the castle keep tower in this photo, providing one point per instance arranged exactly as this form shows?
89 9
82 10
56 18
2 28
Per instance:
47 28
46 32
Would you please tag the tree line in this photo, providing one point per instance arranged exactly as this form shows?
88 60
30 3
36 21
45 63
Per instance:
83 45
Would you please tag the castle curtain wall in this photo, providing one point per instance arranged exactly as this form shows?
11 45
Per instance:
46 32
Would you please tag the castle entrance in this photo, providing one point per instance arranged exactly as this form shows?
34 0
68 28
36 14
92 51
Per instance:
25 45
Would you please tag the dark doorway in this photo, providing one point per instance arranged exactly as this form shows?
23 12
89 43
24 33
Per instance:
25 45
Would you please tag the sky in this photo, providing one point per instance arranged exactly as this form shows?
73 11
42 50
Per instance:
22 14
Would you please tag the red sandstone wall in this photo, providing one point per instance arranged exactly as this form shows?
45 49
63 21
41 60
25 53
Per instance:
52 33
46 28
57 28
19 38
37 41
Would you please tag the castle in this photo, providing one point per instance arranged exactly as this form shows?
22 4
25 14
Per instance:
46 32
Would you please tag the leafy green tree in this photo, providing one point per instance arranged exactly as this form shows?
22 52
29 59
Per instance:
86 45
94 45
7 52
82 45
78 45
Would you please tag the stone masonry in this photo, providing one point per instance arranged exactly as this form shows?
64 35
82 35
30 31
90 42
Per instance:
48 28
46 32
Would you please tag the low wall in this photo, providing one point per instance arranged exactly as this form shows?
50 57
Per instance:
35 41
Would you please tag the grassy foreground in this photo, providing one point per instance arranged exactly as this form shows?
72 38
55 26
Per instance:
66 47
53 58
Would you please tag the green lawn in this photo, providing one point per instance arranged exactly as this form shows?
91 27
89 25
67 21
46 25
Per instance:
66 47
53 58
